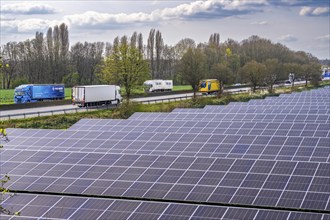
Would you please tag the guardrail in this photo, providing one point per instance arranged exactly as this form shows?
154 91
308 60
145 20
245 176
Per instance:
54 112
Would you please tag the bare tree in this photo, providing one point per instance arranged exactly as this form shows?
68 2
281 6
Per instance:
159 50
214 39
85 59
50 48
108 49
183 46
140 43
169 62
134 39
39 58
64 51
10 61
150 51
56 53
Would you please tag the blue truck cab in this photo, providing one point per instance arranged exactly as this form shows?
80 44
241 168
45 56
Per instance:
35 93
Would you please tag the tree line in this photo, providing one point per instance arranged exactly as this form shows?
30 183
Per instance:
49 59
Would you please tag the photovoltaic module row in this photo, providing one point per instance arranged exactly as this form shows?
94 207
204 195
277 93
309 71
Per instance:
314 109
197 127
71 207
256 109
316 118
260 183
152 143
240 161
186 127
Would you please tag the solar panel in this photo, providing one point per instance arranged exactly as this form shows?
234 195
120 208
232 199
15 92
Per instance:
33 206
217 162
194 179
255 143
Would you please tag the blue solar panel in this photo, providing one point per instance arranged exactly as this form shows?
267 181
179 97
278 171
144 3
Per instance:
193 164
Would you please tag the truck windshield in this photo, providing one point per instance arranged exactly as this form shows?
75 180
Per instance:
147 86
203 84
19 93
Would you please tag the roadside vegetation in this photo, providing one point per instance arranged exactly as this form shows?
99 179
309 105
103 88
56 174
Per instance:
127 109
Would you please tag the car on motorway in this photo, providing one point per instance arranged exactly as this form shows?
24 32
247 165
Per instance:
288 82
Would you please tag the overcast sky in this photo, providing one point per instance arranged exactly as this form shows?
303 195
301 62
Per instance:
298 24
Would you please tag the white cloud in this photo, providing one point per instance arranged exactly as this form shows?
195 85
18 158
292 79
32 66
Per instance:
321 11
309 11
27 25
288 38
91 19
260 23
27 8
236 4
197 9
305 11
325 38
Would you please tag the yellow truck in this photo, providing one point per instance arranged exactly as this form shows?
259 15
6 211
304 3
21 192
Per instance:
209 86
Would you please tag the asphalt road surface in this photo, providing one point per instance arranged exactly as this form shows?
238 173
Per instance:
61 109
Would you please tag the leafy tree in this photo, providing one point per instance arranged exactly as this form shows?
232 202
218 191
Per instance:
311 71
223 73
292 68
273 73
254 73
179 50
193 68
71 79
126 67
234 65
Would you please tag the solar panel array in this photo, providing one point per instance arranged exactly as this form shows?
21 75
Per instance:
73 207
244 160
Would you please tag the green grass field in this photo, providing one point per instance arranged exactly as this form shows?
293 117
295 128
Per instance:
182 88
6 96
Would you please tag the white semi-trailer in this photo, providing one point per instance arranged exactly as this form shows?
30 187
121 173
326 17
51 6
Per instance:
158 85
96 95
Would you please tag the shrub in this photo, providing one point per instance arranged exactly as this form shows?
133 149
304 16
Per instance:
125 110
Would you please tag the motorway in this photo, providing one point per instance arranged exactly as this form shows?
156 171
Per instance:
63 109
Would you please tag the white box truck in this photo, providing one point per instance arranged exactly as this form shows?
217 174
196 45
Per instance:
96 95
158 85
